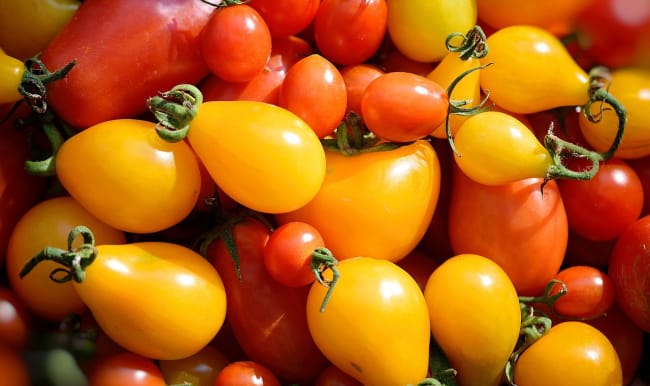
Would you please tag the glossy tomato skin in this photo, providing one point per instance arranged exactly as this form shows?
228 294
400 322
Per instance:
181 298
350 32
246 373
514 224
126 369
165 36
96 167
629 269
11 73
357 77
375 204
375 326
236 43
267 318
47 224
286 17
251 146
590 292
475 317
594 207
570 353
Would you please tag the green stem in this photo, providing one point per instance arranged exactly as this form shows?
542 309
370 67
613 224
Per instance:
473 44
322 259
73 260
174 110
352 137
47 167
224 3
36 76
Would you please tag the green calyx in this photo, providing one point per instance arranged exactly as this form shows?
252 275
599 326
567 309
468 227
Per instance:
353 137
473 44
36 76
174 110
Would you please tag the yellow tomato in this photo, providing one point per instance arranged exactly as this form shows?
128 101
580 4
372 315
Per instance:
375 204
419 28
375 326
475 317
631 87
11 74
263 156
532 71
122 172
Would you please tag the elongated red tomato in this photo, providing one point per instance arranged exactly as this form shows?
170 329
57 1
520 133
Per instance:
146 48
128 177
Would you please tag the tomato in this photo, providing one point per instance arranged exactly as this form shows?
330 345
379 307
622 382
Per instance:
522 229
629 269
615 33
126 369
361 208
590 292
570 353
350 32
375 326
200 369
27 26
403 107
475 317
631 87
642 168
15 321
286 17
249 147
594 207
267 318
48 224
246 373
419 28
159 45
357 77
532 71
314 90
13 367
96 166
494 148
333 376
288 253
541 13
264 86
236 43
11 73
626 338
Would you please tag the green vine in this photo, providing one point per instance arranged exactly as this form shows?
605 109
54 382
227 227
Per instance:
322 259
35 78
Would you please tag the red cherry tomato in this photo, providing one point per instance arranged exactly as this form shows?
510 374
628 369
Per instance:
236 43
125 368
357 77
590 292
246 373
286 17
287 254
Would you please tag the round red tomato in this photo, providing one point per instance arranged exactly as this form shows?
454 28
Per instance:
590 292
286 17
357 77
246 373
125 368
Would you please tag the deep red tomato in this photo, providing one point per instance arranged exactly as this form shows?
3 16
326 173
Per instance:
629 269
15 320
265 86
146 47
125 368
236 43
288 252
402 106
314 90
357 77
590 292
642 168
13 367
333 376
286 17
268 319
595 208
350 31
246 373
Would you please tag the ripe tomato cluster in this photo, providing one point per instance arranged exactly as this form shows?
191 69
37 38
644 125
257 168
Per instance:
324 192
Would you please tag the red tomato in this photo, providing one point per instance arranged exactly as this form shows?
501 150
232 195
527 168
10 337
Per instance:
594 207
236 43
314 90
357 77
350 31
13 367
403 107
246 373
286 17
265 86
146 47
288 253
629 269
590 292
333 376
392 60
125 368
15 320
268 319
642 168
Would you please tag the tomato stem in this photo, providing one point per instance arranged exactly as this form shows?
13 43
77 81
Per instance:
36 76
224 3
352 137
473 45
174 110
75 260
322 259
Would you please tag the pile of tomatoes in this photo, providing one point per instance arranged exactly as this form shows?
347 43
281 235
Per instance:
324 192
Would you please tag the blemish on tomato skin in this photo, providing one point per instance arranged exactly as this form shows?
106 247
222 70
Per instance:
356 367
